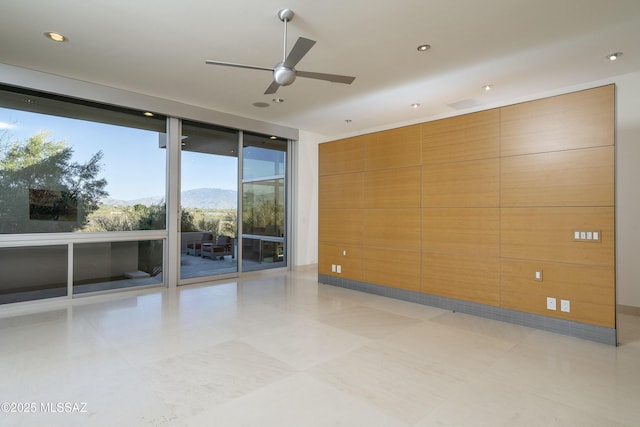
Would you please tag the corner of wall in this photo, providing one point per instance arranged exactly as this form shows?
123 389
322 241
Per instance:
627 194
306 199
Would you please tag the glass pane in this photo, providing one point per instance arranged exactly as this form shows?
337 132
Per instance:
114 265
209 199
73 166
262 162
263 203
32 273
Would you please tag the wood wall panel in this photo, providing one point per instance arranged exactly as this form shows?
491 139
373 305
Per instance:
577 120
332 253
343 191
563 178
397 268
464 231
590 290
468 278
392 228
468 207
392 188
395 148
467 137
341 156
340 226
462 184
547 234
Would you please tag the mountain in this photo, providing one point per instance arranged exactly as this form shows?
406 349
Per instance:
204 198
210 198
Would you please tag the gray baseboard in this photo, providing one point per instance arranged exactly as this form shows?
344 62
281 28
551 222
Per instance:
551 324
628 309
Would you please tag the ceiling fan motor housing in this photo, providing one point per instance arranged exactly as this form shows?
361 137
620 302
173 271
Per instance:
284 72
283 75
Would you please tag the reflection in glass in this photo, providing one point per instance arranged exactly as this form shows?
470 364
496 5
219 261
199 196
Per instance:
263 203
114 265
263 208
31 273
261 162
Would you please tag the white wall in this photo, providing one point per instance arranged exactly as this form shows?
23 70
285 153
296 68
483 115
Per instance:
628 189
627 186
306 199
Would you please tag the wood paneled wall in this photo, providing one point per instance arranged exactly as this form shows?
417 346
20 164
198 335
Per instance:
472 206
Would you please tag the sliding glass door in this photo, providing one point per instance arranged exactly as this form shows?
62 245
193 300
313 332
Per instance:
209 201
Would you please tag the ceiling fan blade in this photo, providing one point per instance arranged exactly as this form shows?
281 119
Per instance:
273 87
335 78
299 50
233 64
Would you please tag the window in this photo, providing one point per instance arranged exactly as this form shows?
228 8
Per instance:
75 167
263 203
70 167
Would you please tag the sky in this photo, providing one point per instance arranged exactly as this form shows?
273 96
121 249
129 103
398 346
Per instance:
133 164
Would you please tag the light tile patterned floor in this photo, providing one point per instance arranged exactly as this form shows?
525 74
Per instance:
278 349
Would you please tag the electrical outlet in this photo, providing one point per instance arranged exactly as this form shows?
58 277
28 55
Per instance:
339 268
565 305
333 268
551 303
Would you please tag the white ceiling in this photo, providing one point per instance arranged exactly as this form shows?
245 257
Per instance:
521 47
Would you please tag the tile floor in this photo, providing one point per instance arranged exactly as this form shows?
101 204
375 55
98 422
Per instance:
278 349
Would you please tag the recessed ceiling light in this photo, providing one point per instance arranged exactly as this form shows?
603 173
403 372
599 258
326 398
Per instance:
148 113
614 56
415 105
56 37
273 137
261 104
424 47
278 100
487 88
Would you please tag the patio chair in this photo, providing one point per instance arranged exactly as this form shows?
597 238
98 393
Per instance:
194 247
221 248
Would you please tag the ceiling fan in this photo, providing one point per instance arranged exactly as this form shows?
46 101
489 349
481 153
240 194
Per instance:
284 72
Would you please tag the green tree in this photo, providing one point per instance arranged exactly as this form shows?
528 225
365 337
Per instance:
42 189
